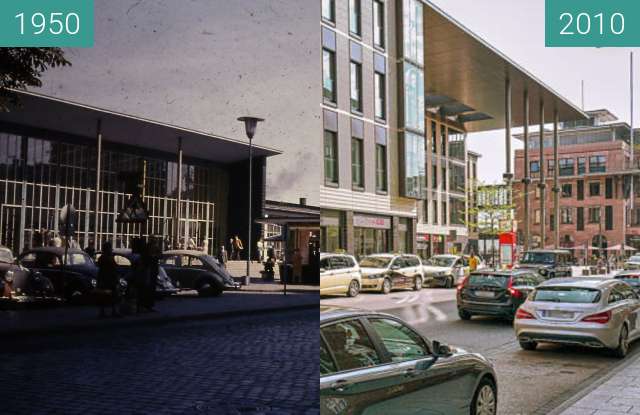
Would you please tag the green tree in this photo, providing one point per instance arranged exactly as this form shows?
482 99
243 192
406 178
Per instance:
21 68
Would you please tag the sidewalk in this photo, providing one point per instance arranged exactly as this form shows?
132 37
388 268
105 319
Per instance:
258 285
616 393
66 319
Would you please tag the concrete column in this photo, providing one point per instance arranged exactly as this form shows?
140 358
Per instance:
96 229
176 236
349 236
527 179
556 188
508 176
542 183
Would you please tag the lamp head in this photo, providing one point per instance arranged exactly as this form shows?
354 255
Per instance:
250 124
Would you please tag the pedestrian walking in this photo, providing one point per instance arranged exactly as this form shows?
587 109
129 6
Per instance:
296 262
237 245
222 256
108 281
232 248
473 262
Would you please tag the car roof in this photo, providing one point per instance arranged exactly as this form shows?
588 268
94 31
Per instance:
328 255
628 272
550 251
58 250
580 282
329 313
184 252
506 272
383 255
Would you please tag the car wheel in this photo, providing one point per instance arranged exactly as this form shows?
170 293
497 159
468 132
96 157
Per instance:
417 284
464 315
449 283
354 289
552 276
623 343
485 401
528 345
207 288
386 286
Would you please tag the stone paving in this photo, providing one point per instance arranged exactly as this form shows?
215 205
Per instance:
618 394
259 365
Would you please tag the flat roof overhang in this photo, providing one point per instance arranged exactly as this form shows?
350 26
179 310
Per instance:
48 113
468 71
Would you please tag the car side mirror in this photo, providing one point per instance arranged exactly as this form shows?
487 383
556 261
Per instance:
439 349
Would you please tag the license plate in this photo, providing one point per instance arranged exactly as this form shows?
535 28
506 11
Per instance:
485 294
559 314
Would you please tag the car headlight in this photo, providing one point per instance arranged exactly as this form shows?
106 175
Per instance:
123 283
94 282
8 277
542 271
375 276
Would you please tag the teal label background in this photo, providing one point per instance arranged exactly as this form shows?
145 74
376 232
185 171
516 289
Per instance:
10 25
553 25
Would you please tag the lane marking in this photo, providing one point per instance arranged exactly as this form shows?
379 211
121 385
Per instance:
440 315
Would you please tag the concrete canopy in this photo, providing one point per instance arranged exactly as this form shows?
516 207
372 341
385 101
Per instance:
465 68
47 113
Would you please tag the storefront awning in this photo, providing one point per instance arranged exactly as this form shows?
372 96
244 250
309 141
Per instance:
46 113
465 77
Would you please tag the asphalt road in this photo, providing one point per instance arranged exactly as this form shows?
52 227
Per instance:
259 365
528 382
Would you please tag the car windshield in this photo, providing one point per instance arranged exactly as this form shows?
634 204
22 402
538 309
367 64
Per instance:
573 295
538 258
375 262
6 256
442 261
488 280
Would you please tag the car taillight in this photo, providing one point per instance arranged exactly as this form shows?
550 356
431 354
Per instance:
515 293
524 315
600 318
463 283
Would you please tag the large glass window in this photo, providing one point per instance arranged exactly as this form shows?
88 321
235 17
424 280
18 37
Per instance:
567 190
357 163
356 87
413 97
434 139
381 168
369 241
566 216
566 167
380 96
355 17
329 10
456 211
582 165
597 164
534 168
329 75
378 23
330 157
551 164
414 165
413 31
456 178
594 189
594 215
456 145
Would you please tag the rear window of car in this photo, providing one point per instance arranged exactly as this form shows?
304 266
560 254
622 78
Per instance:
375 262
633 279
574 295
489 280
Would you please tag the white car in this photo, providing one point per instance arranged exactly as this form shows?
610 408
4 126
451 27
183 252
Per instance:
339 274
633 262
386 272
446 270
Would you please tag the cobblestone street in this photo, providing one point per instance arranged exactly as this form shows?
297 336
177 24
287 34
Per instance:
262 365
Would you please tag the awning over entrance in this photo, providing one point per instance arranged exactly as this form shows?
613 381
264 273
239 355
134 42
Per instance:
48 113
466 77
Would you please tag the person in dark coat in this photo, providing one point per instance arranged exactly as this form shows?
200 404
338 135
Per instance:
108 280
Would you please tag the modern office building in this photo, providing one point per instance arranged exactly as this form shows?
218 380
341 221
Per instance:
403 85
595 171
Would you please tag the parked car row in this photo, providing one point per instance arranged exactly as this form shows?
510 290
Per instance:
343 274
45 273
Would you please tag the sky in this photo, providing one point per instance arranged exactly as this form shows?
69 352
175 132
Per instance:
520 35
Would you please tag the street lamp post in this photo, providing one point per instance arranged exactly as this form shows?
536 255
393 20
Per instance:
250 124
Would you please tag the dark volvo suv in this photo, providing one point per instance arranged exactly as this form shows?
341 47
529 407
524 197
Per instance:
550 263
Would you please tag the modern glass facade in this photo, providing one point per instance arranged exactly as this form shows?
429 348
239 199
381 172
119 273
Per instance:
415 174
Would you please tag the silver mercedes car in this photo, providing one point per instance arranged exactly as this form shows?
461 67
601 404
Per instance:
374 363
592 312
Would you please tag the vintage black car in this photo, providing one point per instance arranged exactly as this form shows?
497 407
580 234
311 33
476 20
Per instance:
72 279
550 263
20 284
125 258
195 270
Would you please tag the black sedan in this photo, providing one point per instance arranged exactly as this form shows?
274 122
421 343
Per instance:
20 284
72 279
125 259
195 270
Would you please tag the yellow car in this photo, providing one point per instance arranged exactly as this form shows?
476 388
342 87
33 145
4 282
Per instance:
339 274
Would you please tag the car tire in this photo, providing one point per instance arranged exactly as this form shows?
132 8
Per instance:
449 282
530 346
623 343
208 289
485 400
417 283
386 286
552 276
354 289
464 315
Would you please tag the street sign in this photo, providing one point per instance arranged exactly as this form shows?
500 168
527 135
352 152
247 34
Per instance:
68 221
